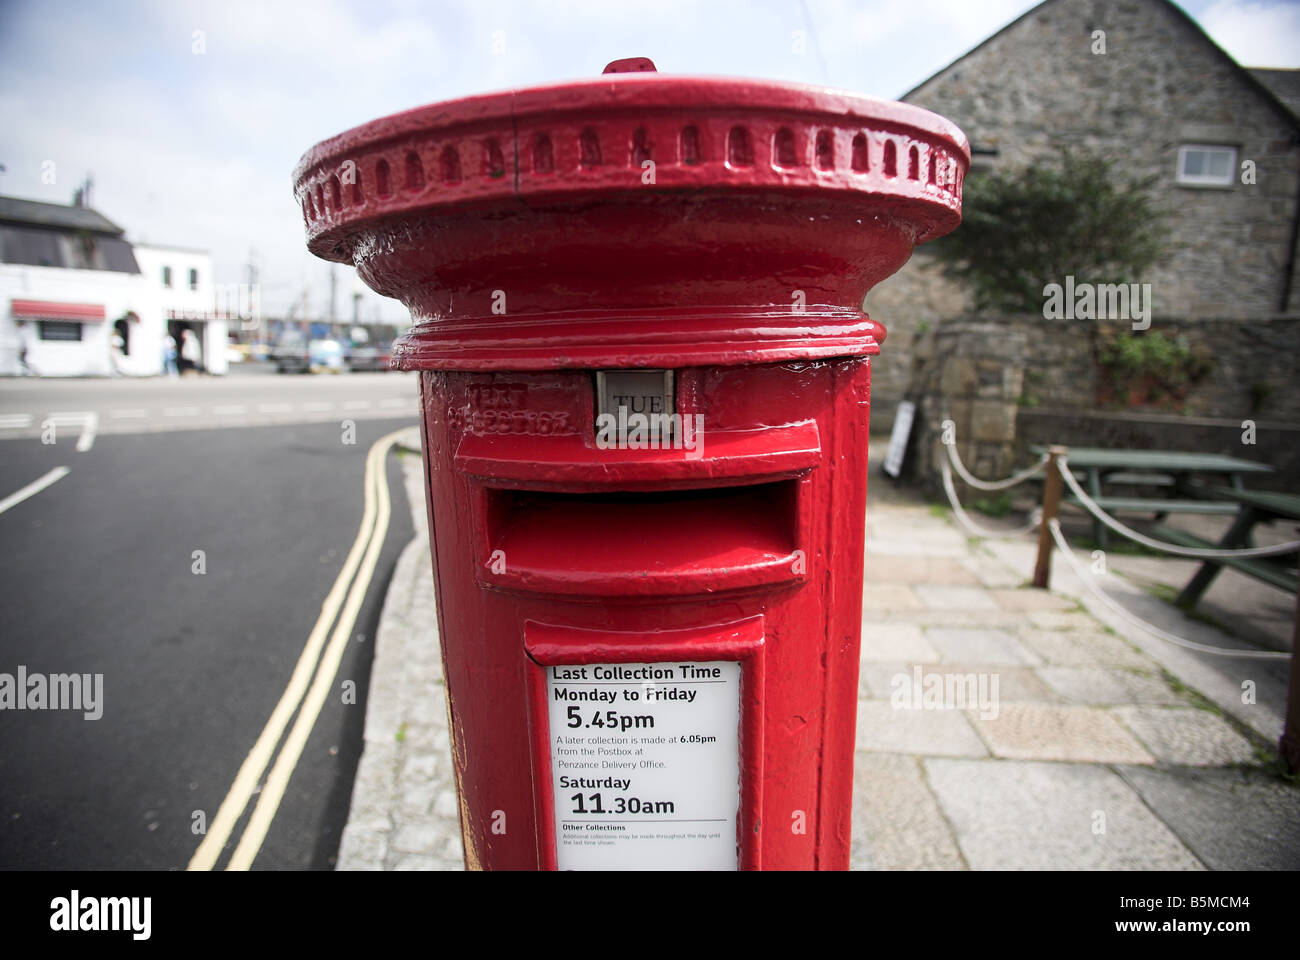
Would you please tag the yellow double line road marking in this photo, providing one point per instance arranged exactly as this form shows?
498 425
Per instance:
365 555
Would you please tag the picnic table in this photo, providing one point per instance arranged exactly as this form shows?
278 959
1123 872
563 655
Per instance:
1256 506
1169 470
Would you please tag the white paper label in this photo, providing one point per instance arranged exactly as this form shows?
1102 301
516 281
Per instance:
645 763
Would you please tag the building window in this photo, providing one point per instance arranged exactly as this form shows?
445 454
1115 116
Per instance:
194 279
1203 166
167 276
60 330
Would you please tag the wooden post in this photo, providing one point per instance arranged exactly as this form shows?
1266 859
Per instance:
1289 745
1051 501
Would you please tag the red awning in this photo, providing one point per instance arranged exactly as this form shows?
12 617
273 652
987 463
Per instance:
51 310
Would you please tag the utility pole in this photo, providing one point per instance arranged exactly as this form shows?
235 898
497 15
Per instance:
252 287
334 282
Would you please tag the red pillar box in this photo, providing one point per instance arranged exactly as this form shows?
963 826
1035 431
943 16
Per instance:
644 384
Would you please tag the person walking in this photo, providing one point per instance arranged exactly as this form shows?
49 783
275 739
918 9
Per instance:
169 355
24 368
115 346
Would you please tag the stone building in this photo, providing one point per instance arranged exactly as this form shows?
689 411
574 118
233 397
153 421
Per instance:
1139 80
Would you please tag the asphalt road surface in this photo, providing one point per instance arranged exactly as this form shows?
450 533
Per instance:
99 575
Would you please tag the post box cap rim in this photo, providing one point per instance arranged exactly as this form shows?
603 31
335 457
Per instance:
614 92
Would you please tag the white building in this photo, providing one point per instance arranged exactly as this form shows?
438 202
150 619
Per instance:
181 279
77 300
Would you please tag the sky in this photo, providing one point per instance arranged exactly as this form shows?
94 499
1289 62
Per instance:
191 115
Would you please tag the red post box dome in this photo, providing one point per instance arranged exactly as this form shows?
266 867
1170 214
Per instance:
619 220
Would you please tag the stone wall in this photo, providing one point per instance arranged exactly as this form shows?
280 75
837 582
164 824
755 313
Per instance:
1012 381
1251 365
972 374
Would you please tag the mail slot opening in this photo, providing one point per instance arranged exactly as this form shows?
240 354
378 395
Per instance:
641 543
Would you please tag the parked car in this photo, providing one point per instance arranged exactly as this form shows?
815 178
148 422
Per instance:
290 353
325 356
369 356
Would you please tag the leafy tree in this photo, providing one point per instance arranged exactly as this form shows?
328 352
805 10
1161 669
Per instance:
1075 214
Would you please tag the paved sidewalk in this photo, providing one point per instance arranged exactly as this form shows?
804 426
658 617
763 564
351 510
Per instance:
999 726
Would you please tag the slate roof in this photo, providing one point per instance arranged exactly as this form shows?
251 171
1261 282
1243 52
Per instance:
56 216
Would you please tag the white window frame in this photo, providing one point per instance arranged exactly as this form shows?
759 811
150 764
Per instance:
1205 180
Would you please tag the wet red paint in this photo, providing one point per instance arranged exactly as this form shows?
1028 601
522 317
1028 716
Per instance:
727 230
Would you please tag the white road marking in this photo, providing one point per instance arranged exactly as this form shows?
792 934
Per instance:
274 407
356 404
180 411
87 438
395 402
88 420
229 408
317 405
13 420
33 488
131 414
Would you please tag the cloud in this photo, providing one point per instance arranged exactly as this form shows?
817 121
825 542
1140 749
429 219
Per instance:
1255 34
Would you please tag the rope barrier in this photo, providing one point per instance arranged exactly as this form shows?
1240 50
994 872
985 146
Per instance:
979 484
970 525
1194 552
1055 526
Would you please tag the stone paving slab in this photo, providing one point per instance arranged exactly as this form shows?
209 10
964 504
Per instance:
986 618
1231 819
1034 731
1030 599
987 647
1108 685
882 568
886 597
893 642
1187 737
991 572
935 733
1010 815
878 681
897 824
1061 620
1083 648
954 598
905 542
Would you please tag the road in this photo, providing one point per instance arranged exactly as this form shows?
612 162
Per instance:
188 567
248 397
